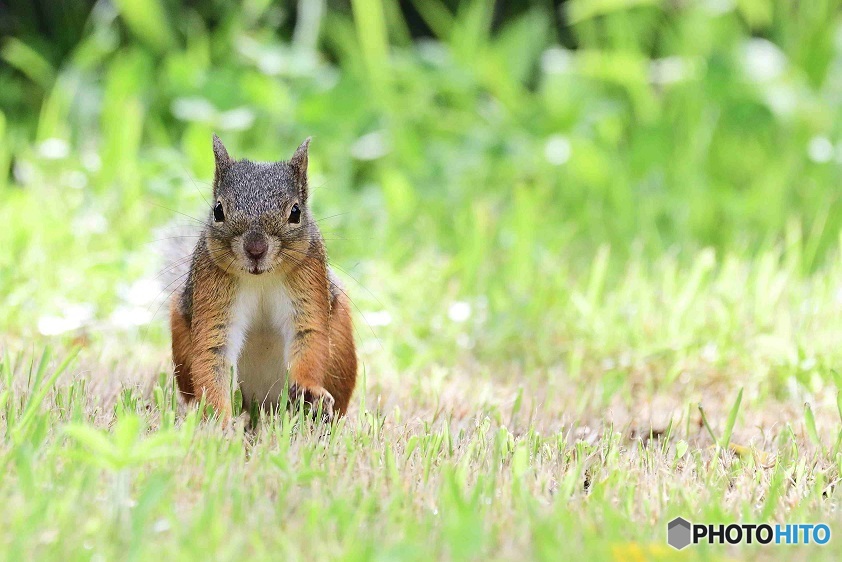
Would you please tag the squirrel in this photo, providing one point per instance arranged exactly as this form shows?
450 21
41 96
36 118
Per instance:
261 297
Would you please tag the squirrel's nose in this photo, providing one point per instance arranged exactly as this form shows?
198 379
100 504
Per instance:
255 245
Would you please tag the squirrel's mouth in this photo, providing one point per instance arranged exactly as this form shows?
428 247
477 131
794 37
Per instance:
255 271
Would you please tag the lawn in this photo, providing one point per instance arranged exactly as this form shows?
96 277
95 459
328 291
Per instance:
593 253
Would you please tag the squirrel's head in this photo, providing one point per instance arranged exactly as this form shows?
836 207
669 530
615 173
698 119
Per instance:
259 216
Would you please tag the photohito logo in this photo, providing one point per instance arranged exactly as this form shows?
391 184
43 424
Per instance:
681 533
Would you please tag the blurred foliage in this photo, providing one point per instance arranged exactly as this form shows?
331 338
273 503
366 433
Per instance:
509 140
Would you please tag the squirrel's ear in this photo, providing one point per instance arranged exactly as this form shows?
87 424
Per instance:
298 163
220 155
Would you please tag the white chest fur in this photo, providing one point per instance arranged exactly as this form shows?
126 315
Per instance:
260 338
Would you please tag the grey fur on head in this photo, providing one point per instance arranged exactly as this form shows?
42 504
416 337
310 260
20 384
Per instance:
292 173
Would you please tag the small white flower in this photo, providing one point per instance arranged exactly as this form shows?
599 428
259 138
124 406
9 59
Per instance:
54 149
130 316
459 311
557 150
763 60
272 62
820 149
193 109
75 316
556 60
782 98
142 292
24 172
378 318
669 70
710 352
237 119
370 147
54 325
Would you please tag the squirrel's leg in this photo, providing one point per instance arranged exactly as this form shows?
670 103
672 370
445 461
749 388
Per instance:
306 373
310 349
211 367
341 374
182 348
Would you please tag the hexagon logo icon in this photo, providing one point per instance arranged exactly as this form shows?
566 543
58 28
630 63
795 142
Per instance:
679 533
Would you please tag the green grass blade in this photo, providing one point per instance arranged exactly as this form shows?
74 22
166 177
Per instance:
41 393
731 421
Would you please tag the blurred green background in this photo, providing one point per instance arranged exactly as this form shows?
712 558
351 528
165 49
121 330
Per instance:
474 150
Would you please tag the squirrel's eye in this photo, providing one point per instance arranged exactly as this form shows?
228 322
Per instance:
218 214
295 214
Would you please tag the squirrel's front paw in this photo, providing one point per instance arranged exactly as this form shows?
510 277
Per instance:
315 397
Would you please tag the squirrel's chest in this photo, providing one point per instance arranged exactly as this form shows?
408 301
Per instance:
260 338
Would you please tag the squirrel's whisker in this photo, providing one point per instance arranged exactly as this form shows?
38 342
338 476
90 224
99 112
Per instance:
193 181
180 237
180 213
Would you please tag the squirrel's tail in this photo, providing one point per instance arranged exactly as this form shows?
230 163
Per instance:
175 246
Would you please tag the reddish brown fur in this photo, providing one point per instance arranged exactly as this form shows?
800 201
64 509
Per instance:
326 357
341 372
322 359
181 350
213 293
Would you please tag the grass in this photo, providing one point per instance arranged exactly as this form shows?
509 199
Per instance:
595 267
447 455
